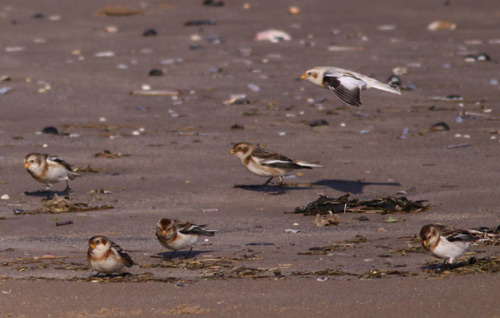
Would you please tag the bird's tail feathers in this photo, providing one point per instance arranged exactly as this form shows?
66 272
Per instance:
386 87
308 164
73 175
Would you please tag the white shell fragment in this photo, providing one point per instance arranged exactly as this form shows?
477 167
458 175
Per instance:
5 197
105 54
273 36
441 25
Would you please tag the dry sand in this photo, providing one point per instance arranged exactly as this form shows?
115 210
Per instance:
179 166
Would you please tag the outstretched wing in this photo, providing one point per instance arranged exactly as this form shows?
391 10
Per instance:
347 88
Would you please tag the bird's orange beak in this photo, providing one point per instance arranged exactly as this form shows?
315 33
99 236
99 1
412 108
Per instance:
233 152
26 165
164 232
426 244
303 76
92 246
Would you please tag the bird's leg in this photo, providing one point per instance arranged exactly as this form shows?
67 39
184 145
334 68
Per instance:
189 253
281 181
268 180
68 189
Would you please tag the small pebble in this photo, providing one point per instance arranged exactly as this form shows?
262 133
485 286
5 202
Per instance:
213 3
254 87
111 29
4 90
14 48
294 10
102 119
38 16
5 197
18 211
200 22
150 32
146 87
320 122
105 54
282 133
136 133
50 130
156 72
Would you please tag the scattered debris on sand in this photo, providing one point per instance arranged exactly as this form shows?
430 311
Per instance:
64 205
325 205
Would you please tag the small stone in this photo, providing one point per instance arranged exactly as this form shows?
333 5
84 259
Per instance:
50 130
5 197
156 72
105 54
254 87
150 32
294 10
4 90
146 87
441 25
38 16
200 22
319 122
111 29
213 3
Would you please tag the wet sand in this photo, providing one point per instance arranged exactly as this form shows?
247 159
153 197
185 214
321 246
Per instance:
179 166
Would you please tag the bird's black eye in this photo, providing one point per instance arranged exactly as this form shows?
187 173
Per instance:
308 73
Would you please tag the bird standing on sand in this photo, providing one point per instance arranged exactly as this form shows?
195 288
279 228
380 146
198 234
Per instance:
444 242
347 85
107 257
49 169
177 235
268 164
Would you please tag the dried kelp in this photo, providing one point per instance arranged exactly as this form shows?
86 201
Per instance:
109 155
323 272
384 205
327 219
485 265
64 205
197 264
486 236
340 246
384 273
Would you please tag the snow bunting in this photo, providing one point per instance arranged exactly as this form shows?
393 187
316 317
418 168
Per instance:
347 85
177 235
49 169
444 242
107 257
264 163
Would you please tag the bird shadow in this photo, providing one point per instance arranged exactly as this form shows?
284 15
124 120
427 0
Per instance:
354 187
113 275
274 189
46 193
441 267
179 254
